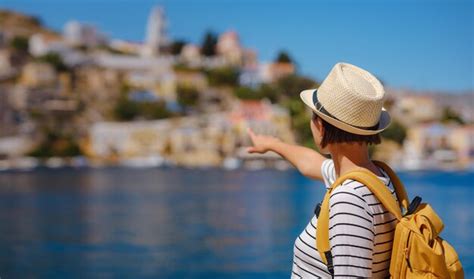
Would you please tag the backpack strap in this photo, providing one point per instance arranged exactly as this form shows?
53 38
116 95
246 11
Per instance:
399 188
374 184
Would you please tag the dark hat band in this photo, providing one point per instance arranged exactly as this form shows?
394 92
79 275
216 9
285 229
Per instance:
320 108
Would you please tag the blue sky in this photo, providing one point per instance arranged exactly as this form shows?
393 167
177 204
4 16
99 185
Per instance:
422 45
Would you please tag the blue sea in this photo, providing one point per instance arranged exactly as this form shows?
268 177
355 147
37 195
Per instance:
182 223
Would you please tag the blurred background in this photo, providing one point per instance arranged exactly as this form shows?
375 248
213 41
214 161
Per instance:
123 128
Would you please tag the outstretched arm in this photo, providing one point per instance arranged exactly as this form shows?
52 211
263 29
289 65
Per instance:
306 160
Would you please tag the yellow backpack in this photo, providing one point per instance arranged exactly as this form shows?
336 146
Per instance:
418 251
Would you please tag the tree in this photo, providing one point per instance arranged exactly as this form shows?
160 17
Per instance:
127 110
57 144
187 96
449 115
223 76
20 44
177 46
284 57
246 93
396 132
268 91
288 89
292 85
55 60
264 91
301 124
208 47
154 110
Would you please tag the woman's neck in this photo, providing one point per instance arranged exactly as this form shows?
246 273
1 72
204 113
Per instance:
348 157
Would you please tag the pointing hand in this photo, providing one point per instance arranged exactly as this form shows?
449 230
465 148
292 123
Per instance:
261 143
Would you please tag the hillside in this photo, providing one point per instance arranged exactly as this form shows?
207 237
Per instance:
21 25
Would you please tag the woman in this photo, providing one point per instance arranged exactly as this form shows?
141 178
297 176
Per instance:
347 117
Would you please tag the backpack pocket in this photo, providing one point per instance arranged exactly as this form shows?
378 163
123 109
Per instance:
400 252
453 264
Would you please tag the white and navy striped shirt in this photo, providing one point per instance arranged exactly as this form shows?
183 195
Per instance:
360 233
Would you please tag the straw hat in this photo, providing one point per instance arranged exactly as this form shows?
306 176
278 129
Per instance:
351 99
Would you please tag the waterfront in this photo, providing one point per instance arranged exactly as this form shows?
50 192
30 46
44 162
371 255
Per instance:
182 223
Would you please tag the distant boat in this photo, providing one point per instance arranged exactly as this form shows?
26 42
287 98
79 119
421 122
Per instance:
55 162
22 163
231 163
255 164
27 163
143 162
79 162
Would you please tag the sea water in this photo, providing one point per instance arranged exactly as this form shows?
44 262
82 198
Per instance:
182 223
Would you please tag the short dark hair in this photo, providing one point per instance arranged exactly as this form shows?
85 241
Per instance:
333 134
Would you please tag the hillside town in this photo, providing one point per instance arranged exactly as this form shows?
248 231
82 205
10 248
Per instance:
77 98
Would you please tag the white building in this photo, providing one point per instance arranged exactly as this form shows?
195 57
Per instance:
151 73
155 32
126 46
129 139
41 44
191 55
251 77
228 46
131 62
76 34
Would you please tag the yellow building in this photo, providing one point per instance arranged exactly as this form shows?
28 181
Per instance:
438 146
411 110
38 74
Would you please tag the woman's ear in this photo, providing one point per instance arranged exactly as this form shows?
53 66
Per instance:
320 126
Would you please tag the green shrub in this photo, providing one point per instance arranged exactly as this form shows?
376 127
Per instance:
449 115
396 132
20 44
187 96
55 60
264 91
57 145
223 76
127 110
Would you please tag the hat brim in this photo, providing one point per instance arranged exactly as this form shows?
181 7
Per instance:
385 119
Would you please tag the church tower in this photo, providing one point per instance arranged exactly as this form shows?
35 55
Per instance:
155 32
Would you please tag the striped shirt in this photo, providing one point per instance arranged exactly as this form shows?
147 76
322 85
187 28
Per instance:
360 233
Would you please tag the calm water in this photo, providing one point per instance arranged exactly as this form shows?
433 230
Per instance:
176 223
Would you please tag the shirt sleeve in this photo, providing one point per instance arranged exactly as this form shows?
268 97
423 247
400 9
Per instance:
351 233
328 172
